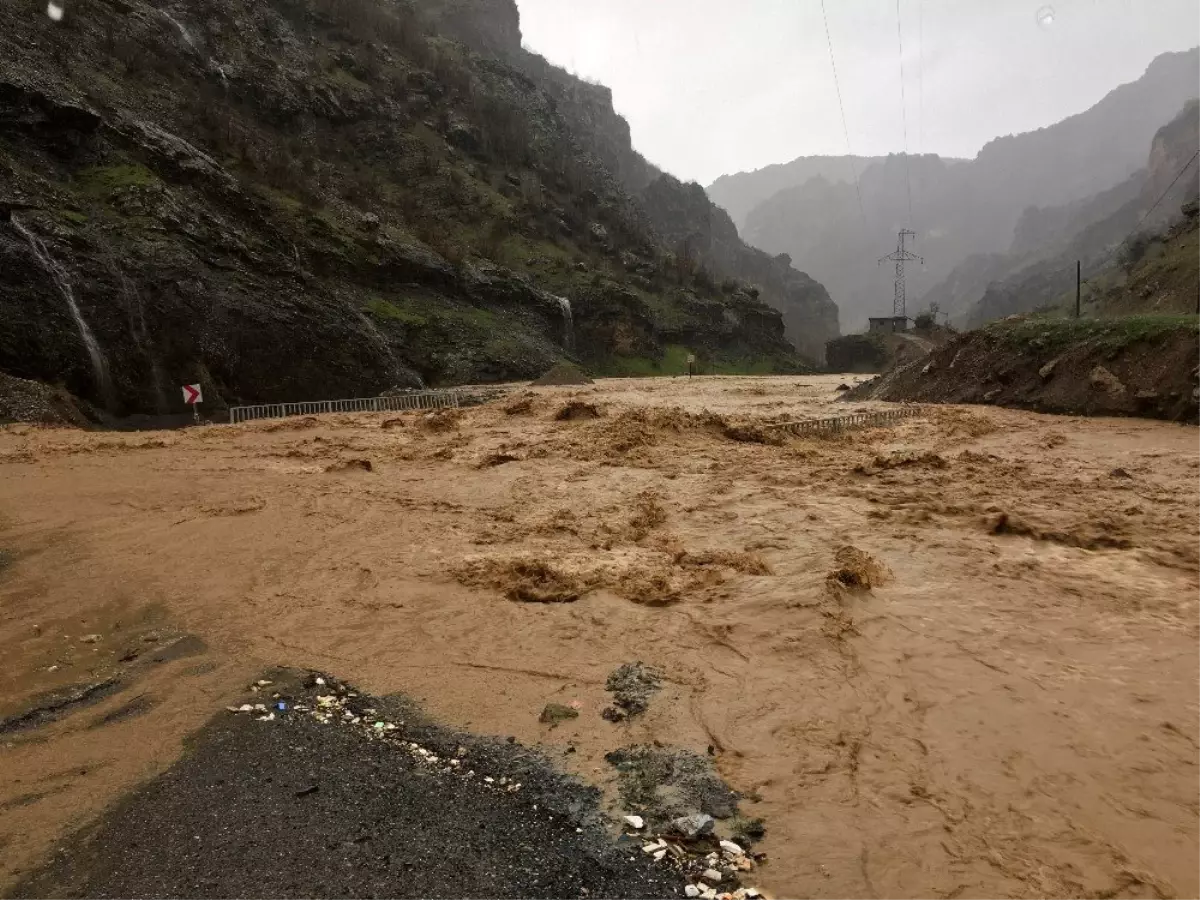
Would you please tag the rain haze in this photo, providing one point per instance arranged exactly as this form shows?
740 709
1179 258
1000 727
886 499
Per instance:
711 88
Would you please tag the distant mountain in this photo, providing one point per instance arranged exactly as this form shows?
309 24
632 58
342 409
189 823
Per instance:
738 194
1038 272
961 209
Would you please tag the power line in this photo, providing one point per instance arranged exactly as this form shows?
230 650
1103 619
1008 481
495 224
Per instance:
904 115
1163 197
1153 207
921 77
845 128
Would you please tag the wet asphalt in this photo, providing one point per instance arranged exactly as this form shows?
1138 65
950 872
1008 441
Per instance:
294 807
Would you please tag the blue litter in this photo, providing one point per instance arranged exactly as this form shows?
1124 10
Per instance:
281 705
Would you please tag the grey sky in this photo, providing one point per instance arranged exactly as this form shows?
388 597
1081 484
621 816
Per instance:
717 86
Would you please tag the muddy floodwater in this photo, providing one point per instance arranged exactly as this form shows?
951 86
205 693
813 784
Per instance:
955 656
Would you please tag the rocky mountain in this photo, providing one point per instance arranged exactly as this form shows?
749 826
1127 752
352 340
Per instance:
301 199
680 214
739 193
964 208
1038 271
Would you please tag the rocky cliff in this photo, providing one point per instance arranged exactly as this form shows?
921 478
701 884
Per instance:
682 215
324 198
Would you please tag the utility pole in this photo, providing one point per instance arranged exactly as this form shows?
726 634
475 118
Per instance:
1079 286
900 257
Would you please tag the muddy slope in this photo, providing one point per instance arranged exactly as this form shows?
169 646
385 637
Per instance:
1138 366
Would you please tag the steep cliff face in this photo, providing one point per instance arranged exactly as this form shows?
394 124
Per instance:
322 198
690 222
682 215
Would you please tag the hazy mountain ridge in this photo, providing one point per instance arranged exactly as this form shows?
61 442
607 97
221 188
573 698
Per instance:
962 209
739 193
1039 270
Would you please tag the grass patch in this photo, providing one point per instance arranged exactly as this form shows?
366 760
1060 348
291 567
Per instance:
70 215
1057 333
387 311
673 362
281 200
428 312
104 181
346 79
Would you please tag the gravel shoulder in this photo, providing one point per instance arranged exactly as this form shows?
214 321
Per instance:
279 803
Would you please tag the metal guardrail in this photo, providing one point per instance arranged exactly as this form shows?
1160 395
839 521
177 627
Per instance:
396 403
841 423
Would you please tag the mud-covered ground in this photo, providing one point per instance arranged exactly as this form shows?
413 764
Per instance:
950 657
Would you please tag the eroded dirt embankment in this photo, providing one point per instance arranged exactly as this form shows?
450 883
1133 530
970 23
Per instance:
1139 366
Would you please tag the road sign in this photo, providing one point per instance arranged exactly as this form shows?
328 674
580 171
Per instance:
192 395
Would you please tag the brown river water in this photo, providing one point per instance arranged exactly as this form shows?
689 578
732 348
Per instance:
1008 709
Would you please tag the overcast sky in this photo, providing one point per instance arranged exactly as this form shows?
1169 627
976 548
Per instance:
718 86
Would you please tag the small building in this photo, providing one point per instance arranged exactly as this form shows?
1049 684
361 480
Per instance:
888 323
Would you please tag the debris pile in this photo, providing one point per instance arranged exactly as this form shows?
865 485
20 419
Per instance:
713 868
563 373
632 685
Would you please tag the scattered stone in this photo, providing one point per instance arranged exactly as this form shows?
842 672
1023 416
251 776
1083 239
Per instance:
712 876
576 410
694 825
555 713
843 387
90 638
731 847
660 854
709 894
632 685
1119 473
691 890
637 823
1102 379
991 395
1047 370
748 831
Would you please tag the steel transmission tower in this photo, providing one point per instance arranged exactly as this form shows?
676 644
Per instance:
900 257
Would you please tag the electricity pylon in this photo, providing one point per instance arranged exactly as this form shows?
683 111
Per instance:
900 257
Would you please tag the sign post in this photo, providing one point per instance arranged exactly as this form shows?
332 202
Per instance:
691 361
193 396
